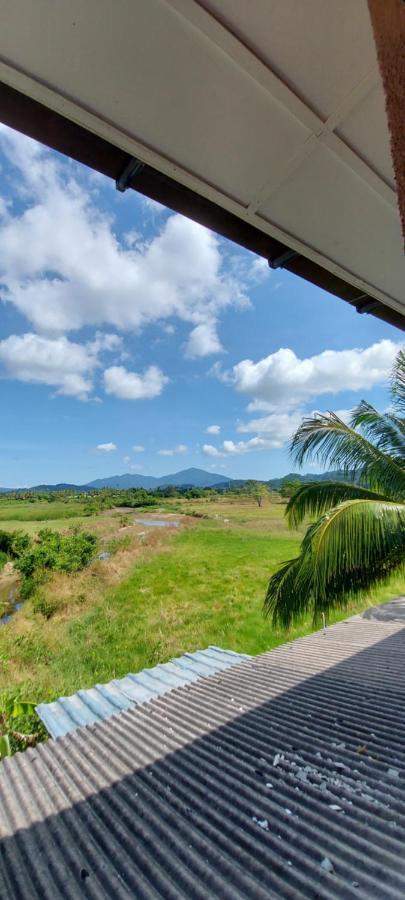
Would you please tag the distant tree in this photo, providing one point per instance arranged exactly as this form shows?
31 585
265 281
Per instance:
168 490
258 491
290 487
261 493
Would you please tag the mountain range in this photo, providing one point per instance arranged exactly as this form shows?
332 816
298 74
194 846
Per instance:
185 478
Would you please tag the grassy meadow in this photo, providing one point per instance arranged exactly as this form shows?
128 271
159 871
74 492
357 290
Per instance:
162 592
31 516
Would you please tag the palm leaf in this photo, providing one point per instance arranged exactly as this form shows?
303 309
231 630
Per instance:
282 601
349 551
385 430
398 382
315 498
352 541
328 440
5 749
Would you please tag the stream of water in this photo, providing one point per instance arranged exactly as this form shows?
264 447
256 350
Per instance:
9 602
159 523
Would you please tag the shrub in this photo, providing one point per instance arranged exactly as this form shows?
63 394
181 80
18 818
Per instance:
5 540
14 543
44 607
20 543
54 551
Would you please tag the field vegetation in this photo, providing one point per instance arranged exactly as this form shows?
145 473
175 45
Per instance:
154 593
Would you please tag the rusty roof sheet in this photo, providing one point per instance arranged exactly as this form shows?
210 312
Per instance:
280 777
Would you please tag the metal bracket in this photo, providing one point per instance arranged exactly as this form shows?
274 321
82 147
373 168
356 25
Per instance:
131 170
281 260
368 307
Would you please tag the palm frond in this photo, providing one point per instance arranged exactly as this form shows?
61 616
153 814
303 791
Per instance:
351 541
316 497
349 551
282 601
398 382
327 439
385 430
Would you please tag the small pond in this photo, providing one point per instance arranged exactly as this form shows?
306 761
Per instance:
159 523
9 603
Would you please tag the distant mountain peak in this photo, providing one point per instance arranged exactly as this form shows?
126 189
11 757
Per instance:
193 476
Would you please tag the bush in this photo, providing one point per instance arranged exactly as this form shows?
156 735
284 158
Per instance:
5 541
54 551
44 607
20 543
31 583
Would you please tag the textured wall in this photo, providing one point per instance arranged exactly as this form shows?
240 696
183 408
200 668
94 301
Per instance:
388 20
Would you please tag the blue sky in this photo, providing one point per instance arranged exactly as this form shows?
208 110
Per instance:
132 339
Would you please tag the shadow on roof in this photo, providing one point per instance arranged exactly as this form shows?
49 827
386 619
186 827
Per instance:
281 777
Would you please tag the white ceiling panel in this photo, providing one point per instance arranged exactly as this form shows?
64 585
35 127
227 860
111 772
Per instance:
370 245
271 110
360 130
320 48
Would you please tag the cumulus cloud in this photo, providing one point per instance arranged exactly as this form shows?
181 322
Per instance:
282 380
57 362
174 451
281 385
213 429
277 427
203 341
126 459
63 267
107 448
138 448
125 385
235 448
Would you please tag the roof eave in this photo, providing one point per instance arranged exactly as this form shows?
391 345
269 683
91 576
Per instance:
23 113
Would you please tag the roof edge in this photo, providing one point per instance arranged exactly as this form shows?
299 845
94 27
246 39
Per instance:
29 116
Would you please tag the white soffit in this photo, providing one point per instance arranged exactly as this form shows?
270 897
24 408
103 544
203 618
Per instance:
273 109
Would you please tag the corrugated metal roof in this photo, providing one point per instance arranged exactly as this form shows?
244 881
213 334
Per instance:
105 700
282 777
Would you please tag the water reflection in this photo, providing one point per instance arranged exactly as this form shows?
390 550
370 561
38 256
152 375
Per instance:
159 523
9 603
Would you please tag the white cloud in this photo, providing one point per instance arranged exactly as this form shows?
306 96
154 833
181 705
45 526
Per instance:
213 429
282 380
107 448
138 448
153 206
126 385
126 459
63 267
272 432
276 427
174 451
260 269
57 362
232 448
203 341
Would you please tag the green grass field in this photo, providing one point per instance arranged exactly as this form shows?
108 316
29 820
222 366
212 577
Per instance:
19 515
204 585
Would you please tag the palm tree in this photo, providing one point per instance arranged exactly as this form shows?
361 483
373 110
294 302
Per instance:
358 538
